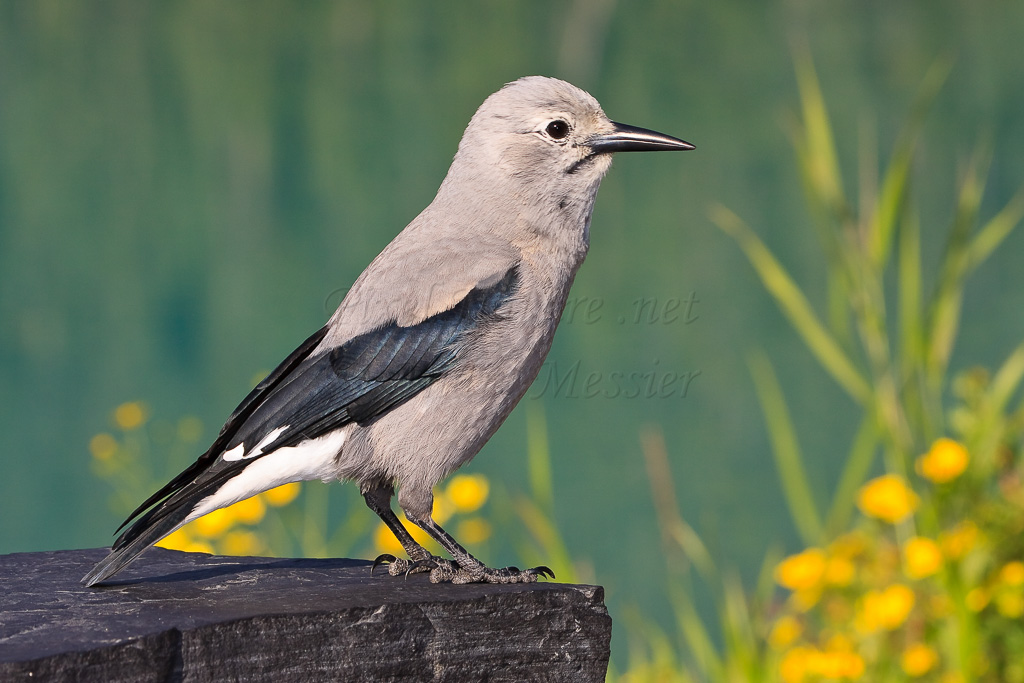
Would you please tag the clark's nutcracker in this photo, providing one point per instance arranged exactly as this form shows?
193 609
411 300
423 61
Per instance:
436 341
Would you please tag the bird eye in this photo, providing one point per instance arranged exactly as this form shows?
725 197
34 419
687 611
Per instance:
557 129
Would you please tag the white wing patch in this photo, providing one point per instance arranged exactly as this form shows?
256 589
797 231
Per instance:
311 459
238 452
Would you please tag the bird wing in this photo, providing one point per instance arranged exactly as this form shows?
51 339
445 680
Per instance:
312 393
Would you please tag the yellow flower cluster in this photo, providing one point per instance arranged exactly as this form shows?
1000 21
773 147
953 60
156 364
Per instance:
832 663
878 600
839 578
1004 591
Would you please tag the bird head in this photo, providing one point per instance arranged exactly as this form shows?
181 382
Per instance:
548 137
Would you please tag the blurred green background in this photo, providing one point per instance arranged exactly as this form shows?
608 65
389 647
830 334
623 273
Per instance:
186 188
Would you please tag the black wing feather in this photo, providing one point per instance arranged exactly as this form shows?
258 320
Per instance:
313 395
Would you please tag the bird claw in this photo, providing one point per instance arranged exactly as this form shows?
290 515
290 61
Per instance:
383 558
544 571
419 566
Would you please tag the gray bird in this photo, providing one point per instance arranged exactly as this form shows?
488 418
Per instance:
434 344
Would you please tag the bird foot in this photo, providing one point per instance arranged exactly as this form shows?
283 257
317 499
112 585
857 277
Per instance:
482 574
398 566
442 570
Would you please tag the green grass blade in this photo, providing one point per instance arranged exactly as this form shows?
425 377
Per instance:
553 551
696 635
788 459
991 425
743 652
946 304
992 234
794 304
818 150
895 184
675 532
855 472
538 457
694 549
1006 380
909 278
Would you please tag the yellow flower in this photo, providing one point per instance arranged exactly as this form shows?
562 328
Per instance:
839 571
282 495
793 666
836 664
468 491
1010 603
214 523
1012 573
803 571
240 542
888 498
918 659
183 540
130 415
884 609
800 662
959 540
784 632
945 461
977 599
249 511
474 530
103 446
179 540
922 557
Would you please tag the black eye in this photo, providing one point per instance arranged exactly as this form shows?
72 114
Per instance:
557 129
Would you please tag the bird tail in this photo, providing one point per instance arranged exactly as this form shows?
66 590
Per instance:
144 533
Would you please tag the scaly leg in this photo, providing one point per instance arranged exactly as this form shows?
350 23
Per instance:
378 499
468 569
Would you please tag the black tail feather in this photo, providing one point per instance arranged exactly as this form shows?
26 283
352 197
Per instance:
161 520
143 536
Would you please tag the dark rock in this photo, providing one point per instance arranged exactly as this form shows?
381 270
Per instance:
174 616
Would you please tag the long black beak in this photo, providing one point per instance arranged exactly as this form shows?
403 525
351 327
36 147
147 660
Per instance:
632 139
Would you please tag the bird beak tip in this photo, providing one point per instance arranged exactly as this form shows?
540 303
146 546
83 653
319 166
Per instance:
625 138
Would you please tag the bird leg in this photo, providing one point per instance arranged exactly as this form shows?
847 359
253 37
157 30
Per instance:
420 560
468 569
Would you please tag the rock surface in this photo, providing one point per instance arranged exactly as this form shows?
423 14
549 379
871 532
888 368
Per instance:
174 616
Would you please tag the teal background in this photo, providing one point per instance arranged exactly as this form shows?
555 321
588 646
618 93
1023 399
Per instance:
186 187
